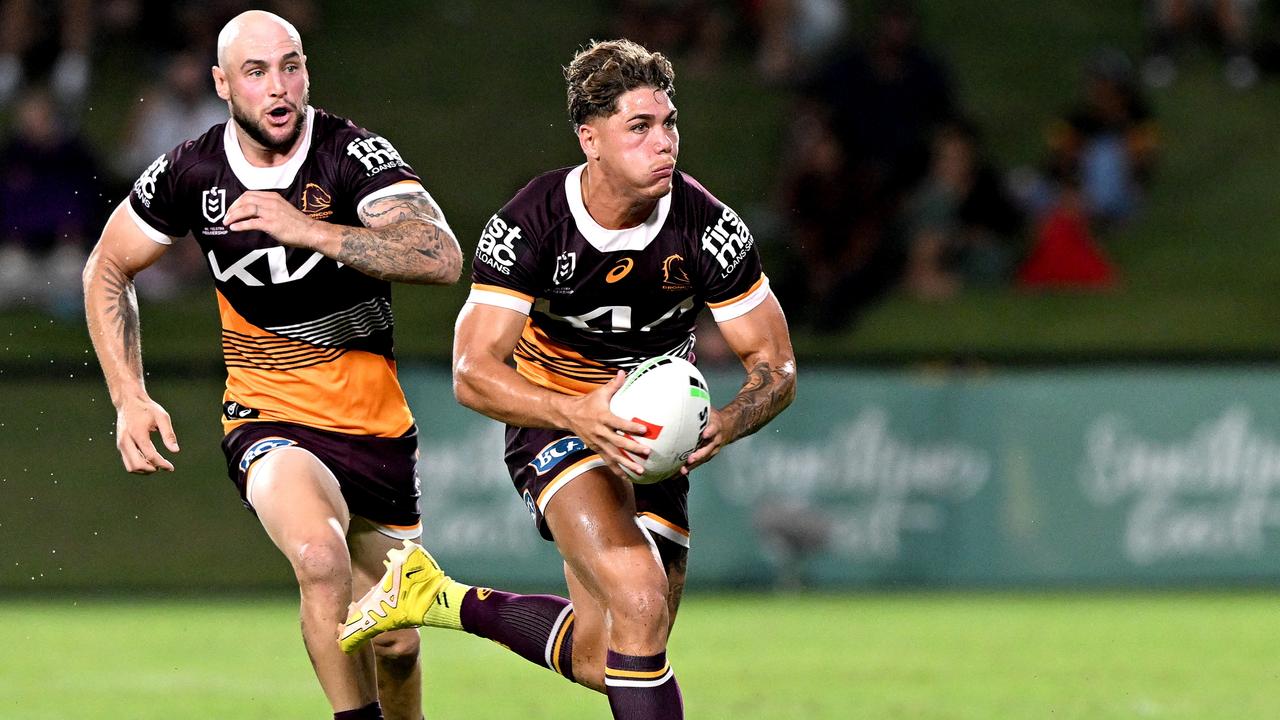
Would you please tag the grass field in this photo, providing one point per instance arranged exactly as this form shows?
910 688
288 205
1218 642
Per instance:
930 656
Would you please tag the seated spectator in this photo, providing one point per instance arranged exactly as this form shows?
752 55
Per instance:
1105 147
960 226
37 35
696 29
183 106
50 207
859 143
1175 23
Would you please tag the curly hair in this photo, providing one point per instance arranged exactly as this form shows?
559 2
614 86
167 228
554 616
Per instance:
605 70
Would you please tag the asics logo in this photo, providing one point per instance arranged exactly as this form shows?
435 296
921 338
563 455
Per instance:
620 270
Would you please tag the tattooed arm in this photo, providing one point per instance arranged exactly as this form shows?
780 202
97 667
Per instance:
405 238
762 342
111 309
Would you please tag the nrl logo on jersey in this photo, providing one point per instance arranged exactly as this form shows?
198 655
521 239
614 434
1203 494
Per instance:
728 241
213 203
565 265
145 186
497 247
375 153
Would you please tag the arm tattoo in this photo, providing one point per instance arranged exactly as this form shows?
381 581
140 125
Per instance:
405 239
767 391
121 303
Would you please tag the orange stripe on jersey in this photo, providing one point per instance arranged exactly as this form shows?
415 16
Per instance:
543 361
348 391
500 289
755 286
666 523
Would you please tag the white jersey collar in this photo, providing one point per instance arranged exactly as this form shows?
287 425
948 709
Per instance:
603 239
266 178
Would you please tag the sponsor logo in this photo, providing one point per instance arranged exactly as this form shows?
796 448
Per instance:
145 186
565 265
213 203
674 276
531 506
260 448
375 153
727 240
483 594
235 411
620 270
551 455
497 246
316 201
277 266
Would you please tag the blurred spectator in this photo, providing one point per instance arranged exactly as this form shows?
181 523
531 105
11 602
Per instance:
1101 156
1175 23
696 29
858 143
35 36
49 200
1104 147
795 36
960 226
183 106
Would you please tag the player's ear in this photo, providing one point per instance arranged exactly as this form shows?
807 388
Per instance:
220 83
589 141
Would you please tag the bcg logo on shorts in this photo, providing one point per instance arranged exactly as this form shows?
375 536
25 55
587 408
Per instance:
551 455
260 448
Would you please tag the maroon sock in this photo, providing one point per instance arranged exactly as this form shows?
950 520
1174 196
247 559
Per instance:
538 628
372 711
642 687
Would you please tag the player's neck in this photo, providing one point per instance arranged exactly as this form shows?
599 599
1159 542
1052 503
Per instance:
610 205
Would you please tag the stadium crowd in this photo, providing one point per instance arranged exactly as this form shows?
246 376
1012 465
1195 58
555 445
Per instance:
884 182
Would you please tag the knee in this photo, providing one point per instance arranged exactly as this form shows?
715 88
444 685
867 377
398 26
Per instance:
640 606
397 651
322 563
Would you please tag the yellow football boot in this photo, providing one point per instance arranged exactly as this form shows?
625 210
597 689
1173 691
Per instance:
401 600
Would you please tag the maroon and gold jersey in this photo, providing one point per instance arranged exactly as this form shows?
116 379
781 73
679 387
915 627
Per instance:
305 339
602 300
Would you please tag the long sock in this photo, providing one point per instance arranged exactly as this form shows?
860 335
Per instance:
642 687
538 628
372 711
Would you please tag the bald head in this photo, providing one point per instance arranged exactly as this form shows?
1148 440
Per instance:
254 30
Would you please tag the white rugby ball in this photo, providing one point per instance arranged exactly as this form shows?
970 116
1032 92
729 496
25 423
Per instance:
669 396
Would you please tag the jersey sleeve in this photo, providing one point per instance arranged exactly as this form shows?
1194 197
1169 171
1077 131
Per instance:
732 273
505 265
372 168
154 202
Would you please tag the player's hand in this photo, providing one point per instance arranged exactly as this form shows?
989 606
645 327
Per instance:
135 421
589 418
710 442
270 213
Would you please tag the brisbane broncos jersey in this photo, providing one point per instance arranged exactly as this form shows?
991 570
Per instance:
602 300
305 338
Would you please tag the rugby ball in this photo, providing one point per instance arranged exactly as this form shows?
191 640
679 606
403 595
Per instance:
668 396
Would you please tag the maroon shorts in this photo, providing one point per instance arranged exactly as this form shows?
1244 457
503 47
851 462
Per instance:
542 461
378 476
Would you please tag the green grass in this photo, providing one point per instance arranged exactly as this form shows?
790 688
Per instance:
919 657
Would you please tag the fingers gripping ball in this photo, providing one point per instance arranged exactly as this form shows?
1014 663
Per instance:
669 396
